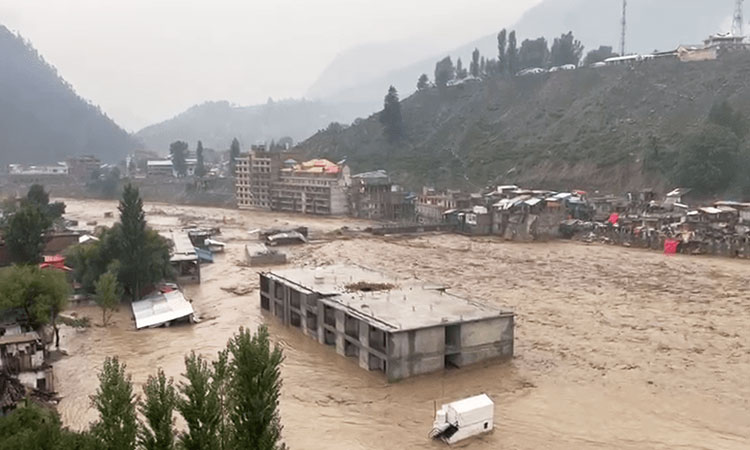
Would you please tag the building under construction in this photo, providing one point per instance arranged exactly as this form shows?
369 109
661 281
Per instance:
401 327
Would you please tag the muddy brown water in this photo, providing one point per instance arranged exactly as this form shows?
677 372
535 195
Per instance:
615 348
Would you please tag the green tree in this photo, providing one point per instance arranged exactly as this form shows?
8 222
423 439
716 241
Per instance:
444 72
423 82
178 153
32 427
157 431
724 115
709 161
24 234
474 67
220 380
598 55
199 405
502 51
234 153
108 294
41 293
511 56
114 399
37 196
533 53
255 388
390 117
200 167
132 241
460 71
566 50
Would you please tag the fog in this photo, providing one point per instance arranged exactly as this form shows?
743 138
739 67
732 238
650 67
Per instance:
144 61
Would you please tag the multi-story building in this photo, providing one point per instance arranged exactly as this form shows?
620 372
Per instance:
432 205
317 186
265 180
83 167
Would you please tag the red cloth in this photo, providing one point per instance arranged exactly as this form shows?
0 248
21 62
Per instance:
670 246
614 218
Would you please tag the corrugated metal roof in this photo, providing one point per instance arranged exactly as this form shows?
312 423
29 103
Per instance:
160 309
183 249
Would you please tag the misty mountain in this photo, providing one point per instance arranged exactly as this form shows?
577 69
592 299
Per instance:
217 123
661 25
42 119
611 128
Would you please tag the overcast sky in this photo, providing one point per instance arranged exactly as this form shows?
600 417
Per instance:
144 61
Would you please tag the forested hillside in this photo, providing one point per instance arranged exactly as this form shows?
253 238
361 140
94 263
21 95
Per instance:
42 119
611 128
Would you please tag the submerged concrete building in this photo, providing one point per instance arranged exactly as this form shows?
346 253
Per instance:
401 327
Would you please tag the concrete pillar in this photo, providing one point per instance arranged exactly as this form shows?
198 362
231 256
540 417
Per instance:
321 322
340 333
364 343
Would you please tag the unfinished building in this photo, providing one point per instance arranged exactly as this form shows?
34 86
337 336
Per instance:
255 172
401 327
317 186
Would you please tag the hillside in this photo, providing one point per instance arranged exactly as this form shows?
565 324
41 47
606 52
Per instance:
651 25
588 128
217 123
42 119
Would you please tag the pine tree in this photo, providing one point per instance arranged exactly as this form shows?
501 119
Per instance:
132 241
200 167
483 66
234 153
177 151
199 405
460 71
390 117
566 50
157 431
255 389
511 59
115 401
474 68
444 72
423 82
502 57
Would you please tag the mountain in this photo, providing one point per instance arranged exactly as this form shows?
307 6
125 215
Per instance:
611 128
662 24
42 119
217 123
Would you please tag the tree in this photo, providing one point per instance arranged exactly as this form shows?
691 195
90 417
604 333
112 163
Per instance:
511 56
114 399
37 195
178 153
200 167
32 427
157 431
132 238
24 234
709 161
566 50
502 51
423 82
41 293
390 117
199 405
533 54
483 66
108 295
234 153
254 389
444 72
474 67
598 55
723 115
460 71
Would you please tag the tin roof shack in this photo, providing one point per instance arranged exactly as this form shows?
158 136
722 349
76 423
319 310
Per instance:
162 308
184 258
463 419
260 255
24 356
401 327
476 221
58 242
527 217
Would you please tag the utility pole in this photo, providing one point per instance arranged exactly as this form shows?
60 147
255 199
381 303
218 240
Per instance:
625 26
738 26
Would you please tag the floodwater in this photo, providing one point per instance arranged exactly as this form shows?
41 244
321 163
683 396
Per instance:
615 348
